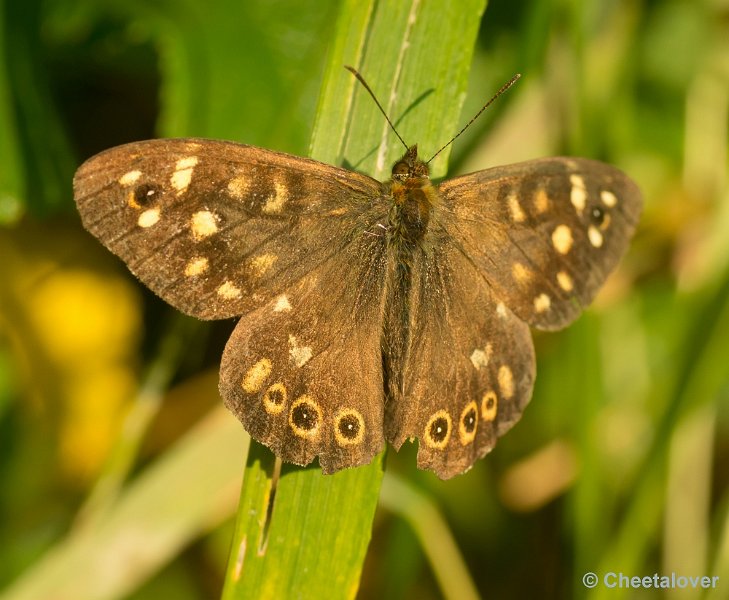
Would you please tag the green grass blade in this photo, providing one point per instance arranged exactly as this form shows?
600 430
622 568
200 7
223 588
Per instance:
316 534
430 527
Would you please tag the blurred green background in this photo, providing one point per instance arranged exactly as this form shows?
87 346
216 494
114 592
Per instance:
114 443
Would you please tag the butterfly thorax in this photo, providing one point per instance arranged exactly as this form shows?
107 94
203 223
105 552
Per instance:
413 196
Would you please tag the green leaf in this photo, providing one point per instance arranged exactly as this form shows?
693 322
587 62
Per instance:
415 56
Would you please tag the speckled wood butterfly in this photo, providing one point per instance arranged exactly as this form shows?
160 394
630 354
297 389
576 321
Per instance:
368 311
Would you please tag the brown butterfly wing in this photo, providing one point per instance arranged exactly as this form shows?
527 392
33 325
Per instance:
219 229
545 234
469 366
528 243
304 372
215 228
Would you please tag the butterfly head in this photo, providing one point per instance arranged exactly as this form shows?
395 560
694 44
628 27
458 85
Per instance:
410 166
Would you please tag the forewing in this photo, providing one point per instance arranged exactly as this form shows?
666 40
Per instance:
217 229
545 233
469 367
304 372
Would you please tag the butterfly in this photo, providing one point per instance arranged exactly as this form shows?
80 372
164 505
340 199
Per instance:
369 311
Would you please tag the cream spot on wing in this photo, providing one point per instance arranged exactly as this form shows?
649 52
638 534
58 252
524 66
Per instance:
299 354
506 381
262 263
282 304
541 201
520 272
181 178
608 198
565 281
229 291
594 235
517 214
237 187
196 266
275 203
186 163
203 224
578 193
130 178
542 303
480 358
562 239
501 310
256 376
149 217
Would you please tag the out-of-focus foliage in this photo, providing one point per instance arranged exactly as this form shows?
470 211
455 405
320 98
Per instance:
113 441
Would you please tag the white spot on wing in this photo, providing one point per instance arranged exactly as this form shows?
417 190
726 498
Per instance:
594 235
255 377
282 304
542 303
520 272
578 193
186 163
149 217
565 281
608 198
275 203
506 381
562 239
229 291
130 178
262 263
480 358
203 224
197 266
517 214
541 201
181 178
299 354
238 186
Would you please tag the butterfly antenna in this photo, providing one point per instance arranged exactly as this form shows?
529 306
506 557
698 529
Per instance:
371 93
504 87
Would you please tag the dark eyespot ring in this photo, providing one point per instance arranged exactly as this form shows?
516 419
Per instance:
439 429
349 427
598 215
146 194
469 420
305 416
